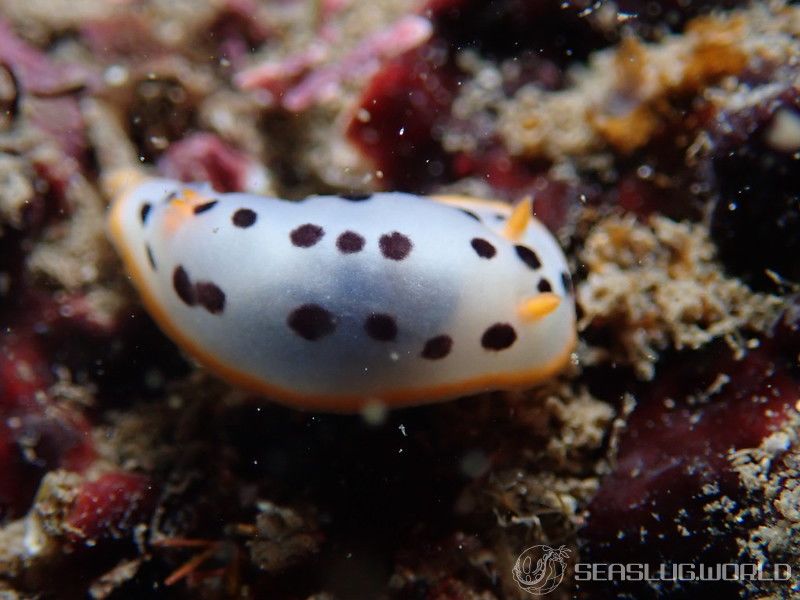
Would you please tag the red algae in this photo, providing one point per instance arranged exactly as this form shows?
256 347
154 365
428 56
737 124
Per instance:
109 507
674 495
36 435
398 114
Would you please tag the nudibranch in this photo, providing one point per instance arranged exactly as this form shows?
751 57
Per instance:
336 302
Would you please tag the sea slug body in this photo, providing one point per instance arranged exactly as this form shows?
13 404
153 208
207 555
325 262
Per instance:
335 302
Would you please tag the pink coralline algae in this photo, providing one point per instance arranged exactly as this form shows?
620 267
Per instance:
34 70
48 91
122 36
279 76
204 157
299 91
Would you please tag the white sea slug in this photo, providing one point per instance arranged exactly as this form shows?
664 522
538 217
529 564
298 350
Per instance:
332 303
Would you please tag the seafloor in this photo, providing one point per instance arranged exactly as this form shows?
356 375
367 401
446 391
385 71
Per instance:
658 139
